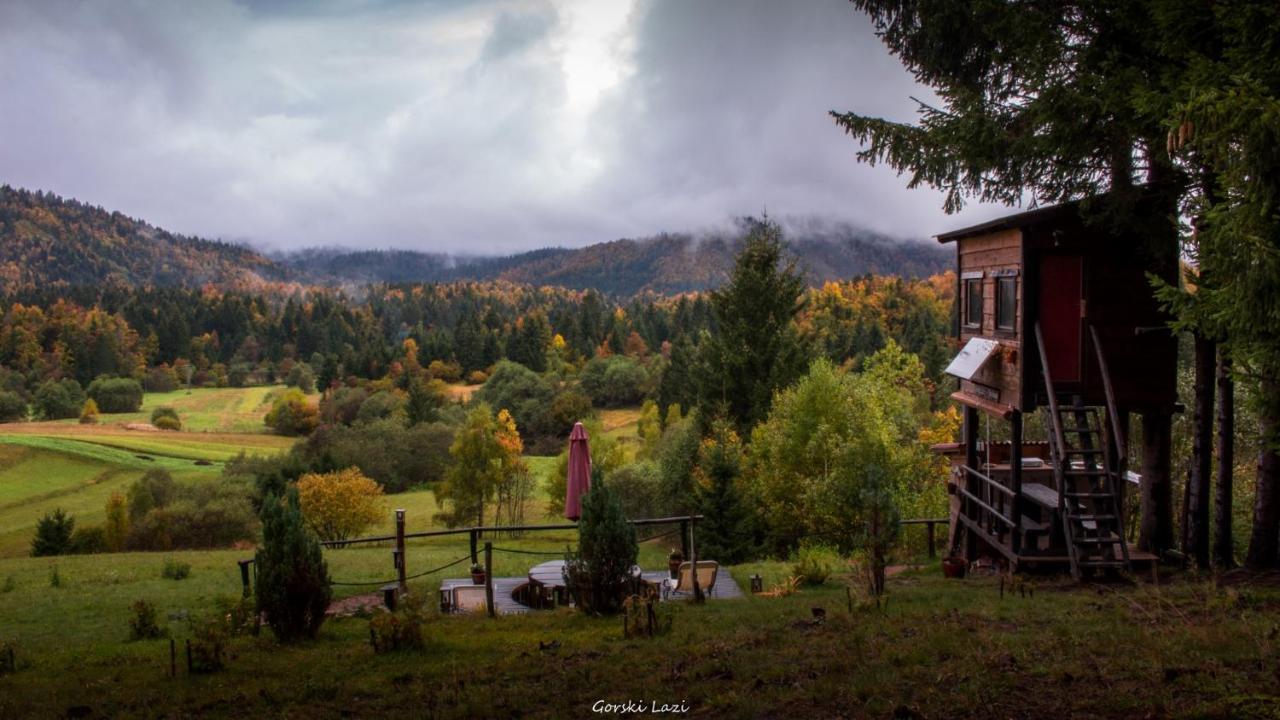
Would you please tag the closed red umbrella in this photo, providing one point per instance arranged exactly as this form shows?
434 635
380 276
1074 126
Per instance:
579 481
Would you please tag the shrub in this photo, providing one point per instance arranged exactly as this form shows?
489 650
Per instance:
387 451
116 395
175 570
614 381
814 563
155 489
209 638
212 514
166 418
598 574
380 406
400 630
342 405
302 377
238 375
143 623
53 534
293 580
639 489
89 413
116 529
88 540
339 505
9 585
12 407
55 578
57 400
291 414
477 377
160 379
449 372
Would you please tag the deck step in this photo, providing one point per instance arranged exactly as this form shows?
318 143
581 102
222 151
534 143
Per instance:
1084 473
1098 541
1090 518
1089 495
1101 563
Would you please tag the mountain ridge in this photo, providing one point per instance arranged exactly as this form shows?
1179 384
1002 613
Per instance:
48 240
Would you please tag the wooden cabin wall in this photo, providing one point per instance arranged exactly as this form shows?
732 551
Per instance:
994 254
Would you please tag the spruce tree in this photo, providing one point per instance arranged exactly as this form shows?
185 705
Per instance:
293 589
598 573
53 534
724 533
756 350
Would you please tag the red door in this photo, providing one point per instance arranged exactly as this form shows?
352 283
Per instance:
1060 321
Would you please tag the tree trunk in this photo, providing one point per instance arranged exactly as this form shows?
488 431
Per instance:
1223 551
1195 511
1266 505
1156 534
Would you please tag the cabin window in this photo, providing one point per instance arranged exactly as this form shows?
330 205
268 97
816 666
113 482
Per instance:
973 302
1006 303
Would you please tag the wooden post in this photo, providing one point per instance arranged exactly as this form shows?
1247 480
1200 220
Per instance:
1156 532
173 658
189 664
400 559
488 577
244 576
1015 478
684 539
474 539
966 480
932 548
693 551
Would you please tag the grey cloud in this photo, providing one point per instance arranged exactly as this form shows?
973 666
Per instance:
449 125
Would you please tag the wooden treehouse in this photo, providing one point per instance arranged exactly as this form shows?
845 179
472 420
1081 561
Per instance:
1055 316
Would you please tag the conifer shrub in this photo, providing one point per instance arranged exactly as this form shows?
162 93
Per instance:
53 534
293 589
598 574
166 418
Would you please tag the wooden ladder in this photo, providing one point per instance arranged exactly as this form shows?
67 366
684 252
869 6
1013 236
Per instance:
1080 445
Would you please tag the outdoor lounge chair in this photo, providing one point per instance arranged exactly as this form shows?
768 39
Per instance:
469 598
707 571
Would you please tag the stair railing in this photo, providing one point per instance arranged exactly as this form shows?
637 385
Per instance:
1113 417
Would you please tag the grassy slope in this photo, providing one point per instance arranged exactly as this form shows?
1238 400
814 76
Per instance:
48 465
940 648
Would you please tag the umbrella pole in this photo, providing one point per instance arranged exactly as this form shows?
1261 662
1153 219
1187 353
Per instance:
693 552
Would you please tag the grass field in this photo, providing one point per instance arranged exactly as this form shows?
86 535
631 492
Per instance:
938 648
63 464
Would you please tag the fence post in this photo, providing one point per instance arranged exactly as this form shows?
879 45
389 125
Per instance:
474 537
244 576
684 538
404 587
929 529
488 577
693 564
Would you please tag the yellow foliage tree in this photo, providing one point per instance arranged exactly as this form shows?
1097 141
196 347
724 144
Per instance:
89 413
339 505
116 528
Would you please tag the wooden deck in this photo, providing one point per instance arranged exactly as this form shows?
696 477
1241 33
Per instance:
726 588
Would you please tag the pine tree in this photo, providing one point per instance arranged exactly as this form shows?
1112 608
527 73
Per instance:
293 589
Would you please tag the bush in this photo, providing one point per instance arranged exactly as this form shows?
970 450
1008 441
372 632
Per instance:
814 563
639 489
339 505
53 534
209 638
175 570
155 489
342 406
166 418
12 407
400 630
477 377
293 589
398 457
599 573
116 395
142 622
614 381
160 379
291 414
449 372
302 377
58 400
88 540
380 406
89 413
212 514
238 375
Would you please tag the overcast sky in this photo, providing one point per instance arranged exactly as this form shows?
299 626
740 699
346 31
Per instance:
475 126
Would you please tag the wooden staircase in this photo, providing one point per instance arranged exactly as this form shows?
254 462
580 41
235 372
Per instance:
1087 450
